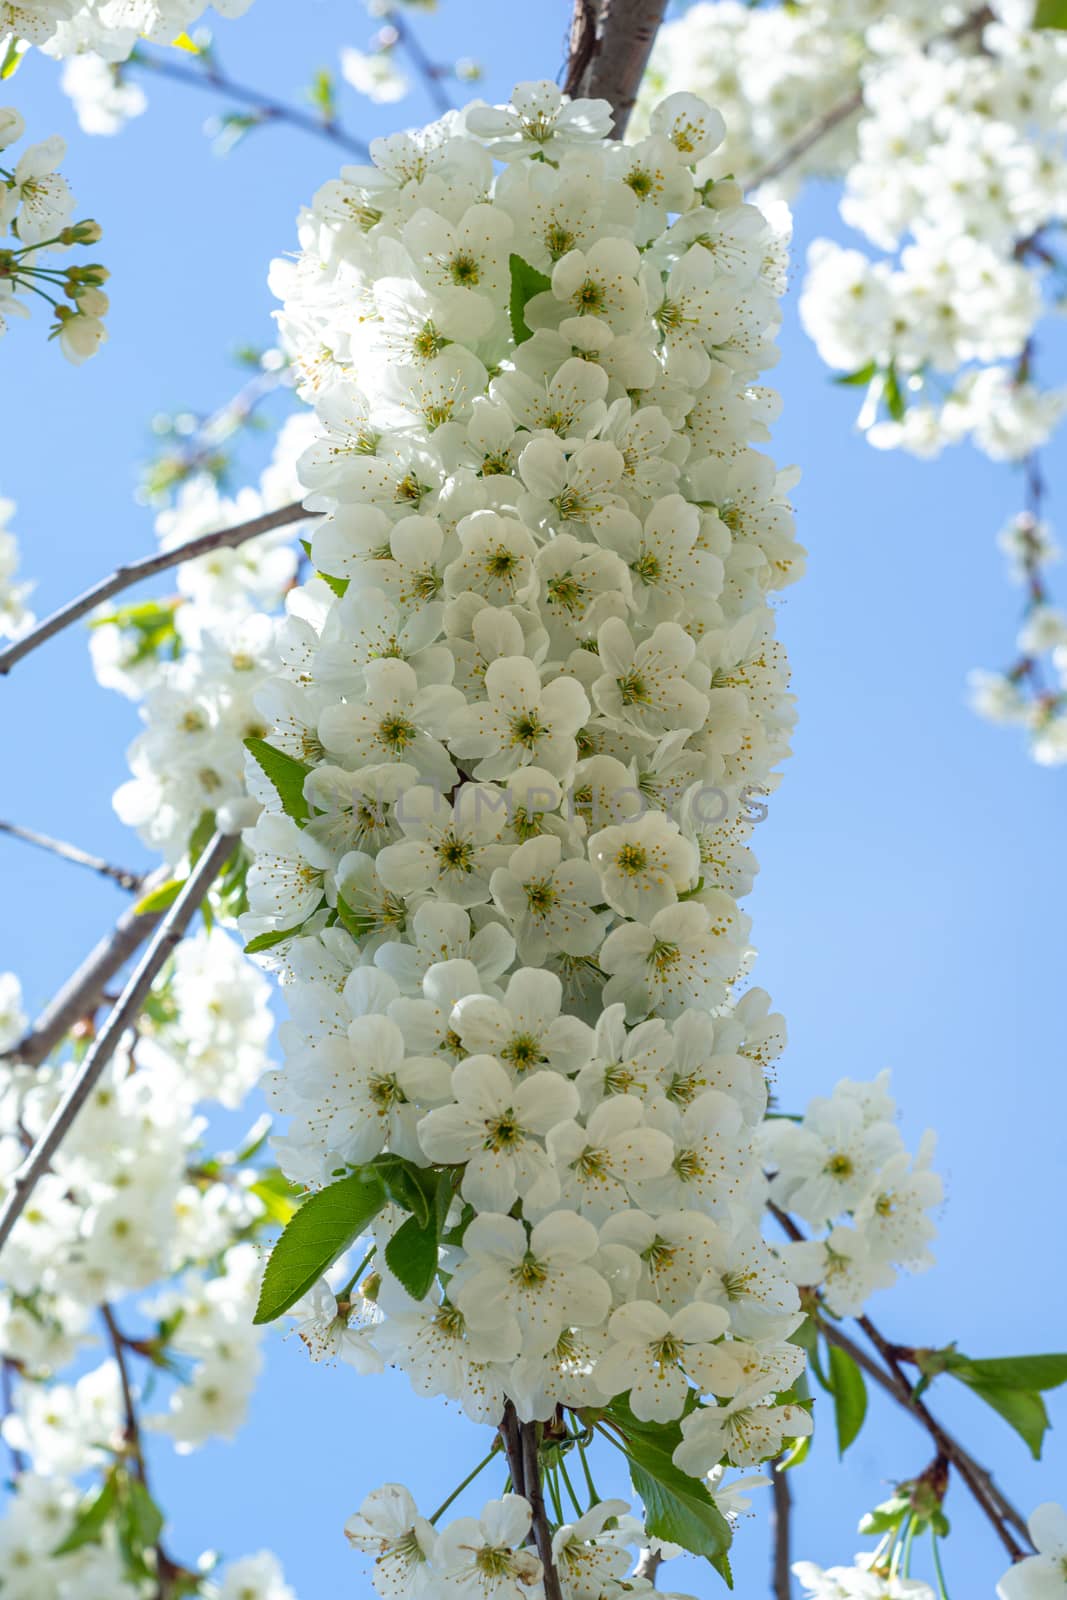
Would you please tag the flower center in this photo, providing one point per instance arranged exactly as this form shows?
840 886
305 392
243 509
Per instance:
396 733
631 860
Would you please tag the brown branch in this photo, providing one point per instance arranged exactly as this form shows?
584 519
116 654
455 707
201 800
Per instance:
849 104
781 1560
610 43
136 571
509 1434
892 1378
71 852
131 1427
85 989
529 1437
169 933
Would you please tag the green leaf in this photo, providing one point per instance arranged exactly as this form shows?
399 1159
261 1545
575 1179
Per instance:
414 1188
526 281
893 395
318 1234
1011 1372
142 1518
159 899
1051 14
678 1508
411 1255
861 374
91 1521
287 775
267 941
1023 1411
850 1397
279 1198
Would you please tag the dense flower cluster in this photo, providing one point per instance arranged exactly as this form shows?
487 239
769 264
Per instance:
131 1199
845 1159
15 616
524 715
198 662
36 209
948 129
111 28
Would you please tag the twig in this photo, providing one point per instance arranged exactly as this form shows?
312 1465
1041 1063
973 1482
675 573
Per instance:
610 43
781 1559
849 104
133 996
70 852
991 1499
509 1433
529 1434
125 576
427 70
212 78
86 988
131 1430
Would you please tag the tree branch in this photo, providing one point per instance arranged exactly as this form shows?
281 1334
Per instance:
427 70
133 996
84 990
990 1498
610 43
125 576
529 1436
211 77
70 852
131 1428
781 1560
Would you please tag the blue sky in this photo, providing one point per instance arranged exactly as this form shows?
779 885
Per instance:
909 911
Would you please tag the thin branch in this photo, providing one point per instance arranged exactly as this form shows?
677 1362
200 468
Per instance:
7 1395
610 43
509 1434
849 104
993 1502
167 936
131 1428
430 73
125 576
211 77
70 852
86 988
529 1436
781 1556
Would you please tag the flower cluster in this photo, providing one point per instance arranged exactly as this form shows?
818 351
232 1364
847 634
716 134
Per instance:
198 662
130 1199
111 28
36 208
15 617
523 712
843 1168
488 1557
946 126
858 1582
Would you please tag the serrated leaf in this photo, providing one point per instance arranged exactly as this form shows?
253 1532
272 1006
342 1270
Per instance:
286 773
317 1235
411 1256
1011 1372
850 1397
1051 14
91 1522
526 281
1022 1410
678 1508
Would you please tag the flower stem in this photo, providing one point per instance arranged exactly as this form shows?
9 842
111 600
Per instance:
469 1479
